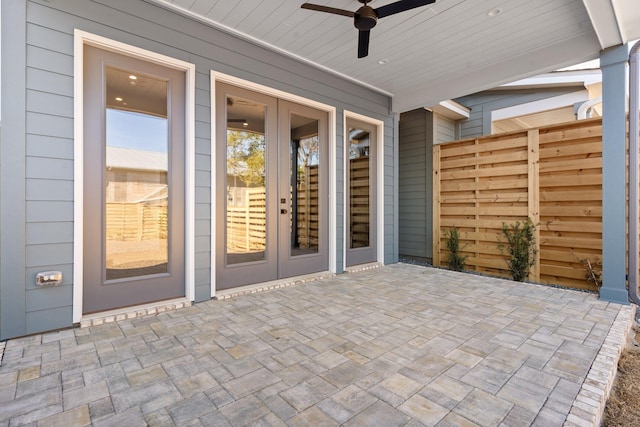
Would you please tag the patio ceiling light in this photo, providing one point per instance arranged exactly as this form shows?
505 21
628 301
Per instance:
494 12
383 61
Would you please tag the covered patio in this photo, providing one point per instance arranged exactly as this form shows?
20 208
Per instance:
394 345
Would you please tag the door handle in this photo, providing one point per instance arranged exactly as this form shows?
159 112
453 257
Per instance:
283 211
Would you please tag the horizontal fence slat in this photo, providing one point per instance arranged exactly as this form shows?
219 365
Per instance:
485 172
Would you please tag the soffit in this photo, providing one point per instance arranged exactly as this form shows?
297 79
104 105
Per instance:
445 50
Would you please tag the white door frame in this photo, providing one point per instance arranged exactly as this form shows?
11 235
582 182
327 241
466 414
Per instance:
80 39
329 109
379 125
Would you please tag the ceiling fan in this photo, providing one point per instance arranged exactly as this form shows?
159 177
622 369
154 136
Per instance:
365 18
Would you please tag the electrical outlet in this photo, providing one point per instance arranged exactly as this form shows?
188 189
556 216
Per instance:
49 278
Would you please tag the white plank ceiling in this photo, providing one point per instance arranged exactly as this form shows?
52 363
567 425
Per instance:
444 50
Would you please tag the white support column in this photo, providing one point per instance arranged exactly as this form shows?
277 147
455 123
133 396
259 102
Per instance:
614 65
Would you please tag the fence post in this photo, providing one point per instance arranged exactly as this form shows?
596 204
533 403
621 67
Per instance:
476 195
436 206
533 143
247 222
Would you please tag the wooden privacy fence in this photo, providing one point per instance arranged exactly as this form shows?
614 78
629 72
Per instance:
136 221
552 175
246 225
306 221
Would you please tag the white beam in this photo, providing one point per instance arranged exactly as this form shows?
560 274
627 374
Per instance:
546 104
604 21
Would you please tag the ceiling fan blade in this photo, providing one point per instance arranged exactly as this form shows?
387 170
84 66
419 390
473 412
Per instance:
363 43
327 9
400 6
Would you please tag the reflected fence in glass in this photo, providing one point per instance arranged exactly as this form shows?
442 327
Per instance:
359 188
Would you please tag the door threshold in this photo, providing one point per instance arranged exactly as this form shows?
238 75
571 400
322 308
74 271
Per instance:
274 284
362 267
133 312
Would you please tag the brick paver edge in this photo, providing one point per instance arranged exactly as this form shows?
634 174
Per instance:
588 407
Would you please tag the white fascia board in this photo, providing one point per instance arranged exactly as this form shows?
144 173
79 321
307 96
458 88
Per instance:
541 105
584 77
628 14
604 21
451 109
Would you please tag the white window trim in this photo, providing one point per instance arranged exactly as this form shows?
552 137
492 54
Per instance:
266 90
379 124
82 38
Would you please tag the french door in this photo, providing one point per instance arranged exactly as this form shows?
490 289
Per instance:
271 188
134 181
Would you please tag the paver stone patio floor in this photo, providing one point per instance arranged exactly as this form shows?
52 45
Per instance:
393 346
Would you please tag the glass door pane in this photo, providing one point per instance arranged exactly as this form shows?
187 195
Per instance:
362 235
304 177
136 170
359 204
246 176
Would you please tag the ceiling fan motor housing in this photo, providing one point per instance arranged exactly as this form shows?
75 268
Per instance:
365 18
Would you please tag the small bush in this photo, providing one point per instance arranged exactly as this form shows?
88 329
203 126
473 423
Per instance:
455 261
520 248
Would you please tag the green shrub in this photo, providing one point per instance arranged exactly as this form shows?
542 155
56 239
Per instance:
455 261
520 248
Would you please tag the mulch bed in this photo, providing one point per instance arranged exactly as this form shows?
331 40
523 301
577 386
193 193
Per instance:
623 406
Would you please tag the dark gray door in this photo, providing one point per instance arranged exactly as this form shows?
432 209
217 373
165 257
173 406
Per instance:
361 193
271 188
134 155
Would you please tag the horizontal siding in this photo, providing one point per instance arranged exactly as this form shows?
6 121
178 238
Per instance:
49 189
39 233
416 137
49 147
445 129
49 128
